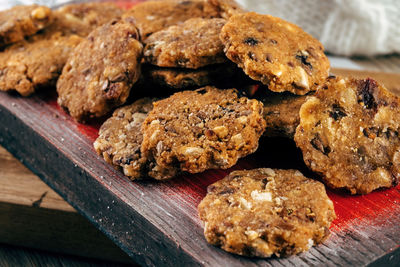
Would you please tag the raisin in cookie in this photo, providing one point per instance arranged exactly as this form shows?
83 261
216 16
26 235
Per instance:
275 52
101 70
281 112
197 130
226 75
21 21
262 212
120 138
192 44
29 65
153 16
349 133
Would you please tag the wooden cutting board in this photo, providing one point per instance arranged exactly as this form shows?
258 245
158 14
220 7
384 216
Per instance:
156 223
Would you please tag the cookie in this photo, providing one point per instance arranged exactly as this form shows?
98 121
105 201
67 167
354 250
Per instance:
281 112
275 52
29 65
38 61
153 16
227 8
193 131
192 44
120 138
222 75
349 133
261 212
21 21
100 71
81 19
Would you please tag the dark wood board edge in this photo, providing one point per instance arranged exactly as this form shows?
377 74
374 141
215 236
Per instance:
51 150
20 138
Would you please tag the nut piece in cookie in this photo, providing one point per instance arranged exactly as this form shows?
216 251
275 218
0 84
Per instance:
192 44
193 131
349 133
275 52
153 16
120 138
21 21
101 70
222 75
32 64
261 212
281 112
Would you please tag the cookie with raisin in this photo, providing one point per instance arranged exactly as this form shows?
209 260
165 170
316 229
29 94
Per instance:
101 70
192 44
120 138
193 131
277 53
265 212
349 134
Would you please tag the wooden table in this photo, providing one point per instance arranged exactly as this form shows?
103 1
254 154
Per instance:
23 197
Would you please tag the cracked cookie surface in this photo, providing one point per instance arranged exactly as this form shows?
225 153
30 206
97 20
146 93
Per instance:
101 70
192 44
349 133
193 131
120 138
154 16
262 212
21 21
277 53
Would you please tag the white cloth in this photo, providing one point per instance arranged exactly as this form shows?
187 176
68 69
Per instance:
345 27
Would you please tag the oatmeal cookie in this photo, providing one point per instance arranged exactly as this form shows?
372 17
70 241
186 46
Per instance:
153 16
227 8
38 61
281 112
120 138
275 52
29 65
197 130
349 133
81 19
21 21
101 70
222 75
262 212
192 44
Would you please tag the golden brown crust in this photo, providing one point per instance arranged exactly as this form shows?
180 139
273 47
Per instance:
101 70
262 212
153 16
81 19
192 44
275 52
349 133
120 138
32 64
197 130
21 21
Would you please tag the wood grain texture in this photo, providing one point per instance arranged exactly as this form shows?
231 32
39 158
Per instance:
156 223
53 224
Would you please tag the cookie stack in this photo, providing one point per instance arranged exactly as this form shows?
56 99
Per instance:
101 57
